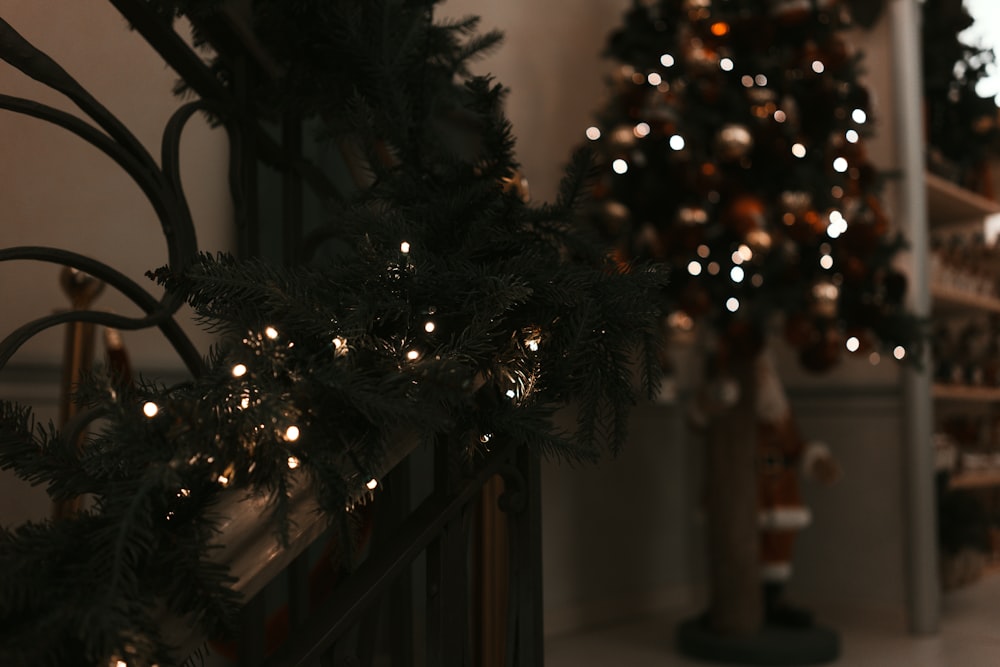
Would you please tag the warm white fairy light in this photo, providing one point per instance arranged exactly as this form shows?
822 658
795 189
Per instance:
485 437
223 480
852 136
654 79
840 165
271 332
245 401
184 493
826 261
798 150
818 66
780 116
756 280
732 304
293 462
874 358
372 484
593 133
745 253
736 257
677 142
413 355
150 409
429 326
837 225
641 130
694 267
510 393
292 433
760 80
899 352
859 116
404 247
747 81
667 60
714 268
532 343
853 344
619 166
727 64
704 251
736 274
121 663
239 370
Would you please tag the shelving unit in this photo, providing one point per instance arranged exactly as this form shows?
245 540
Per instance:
957 300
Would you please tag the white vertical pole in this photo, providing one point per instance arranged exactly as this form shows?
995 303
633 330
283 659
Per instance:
920 541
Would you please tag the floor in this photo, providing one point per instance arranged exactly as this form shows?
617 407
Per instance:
969 637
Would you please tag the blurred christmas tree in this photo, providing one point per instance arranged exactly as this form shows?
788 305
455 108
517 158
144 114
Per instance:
962 125
434 305
733 152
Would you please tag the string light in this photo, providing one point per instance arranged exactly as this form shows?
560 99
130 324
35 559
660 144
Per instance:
719 28
372 484
837 226
760 80
293 462
818 66
413 355
737 274
593 133
694 267
714 268
150 409
654 79
874 358
641 130
798 150
245 401
677 142
339 346
292 433
404 248
223 480
667 60
779 116
899 352
859 116
619 166
429 326
727 64
745 253
239 370
703 251
840 165
485 437
511 394
732 304
853 344
852 136
271 332
826 261
184 493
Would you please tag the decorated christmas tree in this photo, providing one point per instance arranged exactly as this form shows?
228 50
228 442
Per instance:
434 304
733 152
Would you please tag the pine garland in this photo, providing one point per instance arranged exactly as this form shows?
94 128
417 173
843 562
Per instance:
437 303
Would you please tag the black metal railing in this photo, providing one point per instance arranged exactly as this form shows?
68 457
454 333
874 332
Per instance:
386 606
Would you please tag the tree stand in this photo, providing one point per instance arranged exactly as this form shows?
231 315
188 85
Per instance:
735 628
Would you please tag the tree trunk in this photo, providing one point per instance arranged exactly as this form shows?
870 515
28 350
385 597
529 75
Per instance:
735 604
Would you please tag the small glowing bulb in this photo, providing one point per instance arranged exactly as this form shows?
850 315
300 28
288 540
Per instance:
293 462
727 64
859 116
150 409
853 344
840 165
798 150
641 130
510 393
852 136
485 437
271 333
719 28
874 358
818 66
593 133
292 433
745 253
184 493
714 268
779 116
121 663
732 304
223 480
737 274
694 267
747 81
619 166
404 247
429 326
239 370
677 142
737 257
703 251
760 80
372 484
826 261
654 79
667 60
245 401
413 355
898 352
533 345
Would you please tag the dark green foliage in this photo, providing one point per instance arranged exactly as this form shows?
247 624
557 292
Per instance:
732 151
529 317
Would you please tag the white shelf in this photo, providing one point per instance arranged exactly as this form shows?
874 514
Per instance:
966 393
950 298
951 204
974 479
